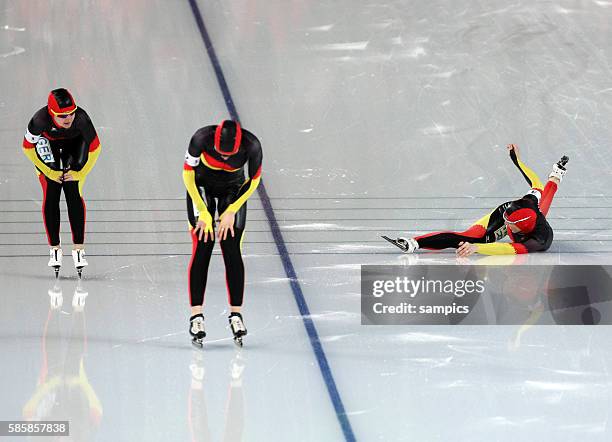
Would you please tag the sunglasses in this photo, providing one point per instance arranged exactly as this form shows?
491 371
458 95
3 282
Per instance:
64 115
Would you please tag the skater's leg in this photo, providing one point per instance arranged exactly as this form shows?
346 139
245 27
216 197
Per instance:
231 248
198 271
547 196
76 215
50 209
200 258
234 269
555 177
76 212
444 240
482 231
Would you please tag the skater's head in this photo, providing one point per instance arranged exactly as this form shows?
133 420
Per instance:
227 137
61 107
519 217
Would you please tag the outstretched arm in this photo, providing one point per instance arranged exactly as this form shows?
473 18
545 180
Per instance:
530 176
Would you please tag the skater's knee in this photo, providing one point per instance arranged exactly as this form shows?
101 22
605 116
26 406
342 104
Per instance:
204 249
231 245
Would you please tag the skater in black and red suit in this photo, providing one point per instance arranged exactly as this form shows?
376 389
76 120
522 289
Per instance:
214 177
522 220
62 143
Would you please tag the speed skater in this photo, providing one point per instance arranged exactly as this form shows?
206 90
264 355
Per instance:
522 220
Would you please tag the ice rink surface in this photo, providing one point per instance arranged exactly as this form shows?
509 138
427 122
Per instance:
375 118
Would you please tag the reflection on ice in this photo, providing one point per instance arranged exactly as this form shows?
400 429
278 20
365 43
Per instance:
199 420
427 337
555 386
63 390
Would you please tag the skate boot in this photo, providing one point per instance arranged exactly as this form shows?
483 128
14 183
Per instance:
56 299
55 259
196 329
238 328
78 299
406 245
78 256
559 169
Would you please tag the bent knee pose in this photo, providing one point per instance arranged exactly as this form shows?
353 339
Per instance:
62 143
214 177
523 221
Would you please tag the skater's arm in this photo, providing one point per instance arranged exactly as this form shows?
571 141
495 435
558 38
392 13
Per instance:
91 161
92 144
247 189
54 175
192 160
30 139
513 248
501 249
192 189
530 176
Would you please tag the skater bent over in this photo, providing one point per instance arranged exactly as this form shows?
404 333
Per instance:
522 220
62 143
214 176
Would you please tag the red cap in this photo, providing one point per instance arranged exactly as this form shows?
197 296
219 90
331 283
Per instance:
228 136
524 219
60 102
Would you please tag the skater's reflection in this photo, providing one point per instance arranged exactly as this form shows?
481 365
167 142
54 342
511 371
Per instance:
564 295
234 409
517 295
63 391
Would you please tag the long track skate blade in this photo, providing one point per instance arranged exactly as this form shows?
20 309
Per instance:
394 242
56 270
238 341
197 343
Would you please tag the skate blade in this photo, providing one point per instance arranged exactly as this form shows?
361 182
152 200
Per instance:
197 343
56 269
238 341
395 243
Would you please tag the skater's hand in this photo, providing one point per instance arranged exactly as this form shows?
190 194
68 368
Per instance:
68 176
55 176
513 147
226 222
203 230
466 249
